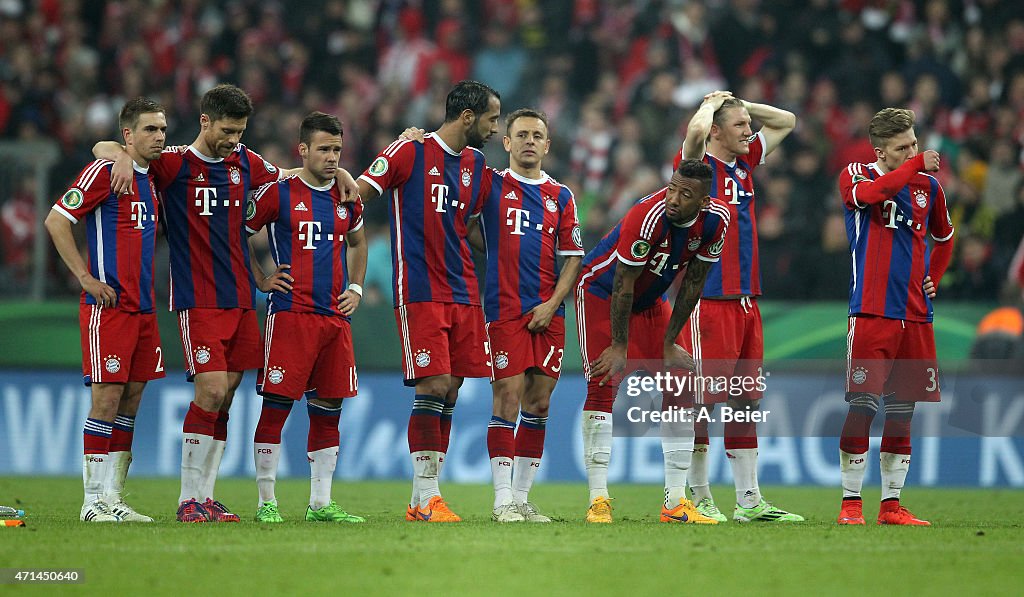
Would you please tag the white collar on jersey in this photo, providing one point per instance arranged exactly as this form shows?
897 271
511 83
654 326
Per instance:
326 187
543 177
443 145
139 168
203 156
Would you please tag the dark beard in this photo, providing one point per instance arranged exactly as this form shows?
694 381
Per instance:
475 139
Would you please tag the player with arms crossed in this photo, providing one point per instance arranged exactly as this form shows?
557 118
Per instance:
528 220
724 334
890 206
120 339
621 309
205 187
433 189
322 244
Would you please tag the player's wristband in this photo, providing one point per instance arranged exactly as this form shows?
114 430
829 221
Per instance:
356 288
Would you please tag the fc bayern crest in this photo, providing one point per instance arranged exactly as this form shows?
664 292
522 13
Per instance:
422 358
693 244
550 204
235 176
920 198
501 361
112 364
275 375
859 375
741 173
342 212
203 355
467 177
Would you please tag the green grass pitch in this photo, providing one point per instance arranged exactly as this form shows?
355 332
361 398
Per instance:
975 545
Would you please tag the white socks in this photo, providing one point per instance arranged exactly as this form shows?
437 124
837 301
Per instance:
744 473
267 457
894 473
597 450
321 474
119 463
524 471
195 453
501 473
425 466
95 473
699 484
212 468
851 468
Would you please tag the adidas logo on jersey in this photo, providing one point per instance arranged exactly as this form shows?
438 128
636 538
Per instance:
434 172
200 178
301 207
512 196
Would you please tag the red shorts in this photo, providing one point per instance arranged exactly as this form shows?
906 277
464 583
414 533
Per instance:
119 346
886 356
514 348
220 340
442 339
726 341
308 352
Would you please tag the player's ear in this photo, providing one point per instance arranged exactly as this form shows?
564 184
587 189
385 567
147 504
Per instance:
507 143
468 117
126 133
547 146
204 121
705 201
303 150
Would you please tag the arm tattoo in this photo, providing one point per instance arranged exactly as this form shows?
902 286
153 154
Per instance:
686 300
622 304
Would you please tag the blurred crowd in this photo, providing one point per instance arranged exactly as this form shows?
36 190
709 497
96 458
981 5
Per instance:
618 79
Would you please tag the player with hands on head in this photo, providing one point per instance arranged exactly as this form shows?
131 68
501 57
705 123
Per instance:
725 334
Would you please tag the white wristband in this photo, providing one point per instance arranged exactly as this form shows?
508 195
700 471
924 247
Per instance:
356 288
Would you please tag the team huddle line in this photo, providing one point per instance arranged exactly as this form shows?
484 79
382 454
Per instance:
445 203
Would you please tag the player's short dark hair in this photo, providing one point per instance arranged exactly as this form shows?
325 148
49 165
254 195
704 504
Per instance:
225 101
524 113
695 169
318 121
888 123
728 104
468 95
133 109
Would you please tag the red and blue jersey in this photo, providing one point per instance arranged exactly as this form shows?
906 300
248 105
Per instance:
526 224
890 254
204 201
307 231
646 238
121 233
432 192
739 271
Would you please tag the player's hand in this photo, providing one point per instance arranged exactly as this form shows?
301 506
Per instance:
716 98
347 185
929 287
931 160
105 295
677 358
279 281
611 363
542 315
121 175
413 134
348 302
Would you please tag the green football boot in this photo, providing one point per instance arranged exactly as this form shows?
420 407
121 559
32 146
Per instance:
764 512
332 512
267 512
